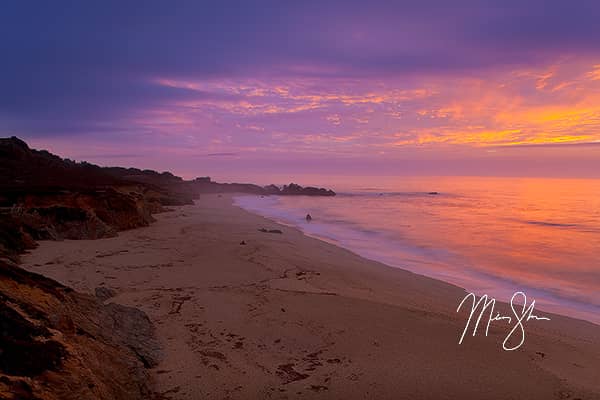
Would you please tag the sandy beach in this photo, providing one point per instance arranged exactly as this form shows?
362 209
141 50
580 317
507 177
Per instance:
288 316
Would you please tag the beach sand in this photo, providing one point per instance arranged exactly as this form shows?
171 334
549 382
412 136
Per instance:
289 316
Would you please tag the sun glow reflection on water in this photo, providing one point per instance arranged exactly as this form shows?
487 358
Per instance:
489 235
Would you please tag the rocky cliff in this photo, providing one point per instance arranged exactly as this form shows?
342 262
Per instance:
43 196
70 214
56 343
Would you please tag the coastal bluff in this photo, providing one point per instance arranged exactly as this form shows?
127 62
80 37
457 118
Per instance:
60 344
46 197
55 342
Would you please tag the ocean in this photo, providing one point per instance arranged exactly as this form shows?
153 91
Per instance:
488 235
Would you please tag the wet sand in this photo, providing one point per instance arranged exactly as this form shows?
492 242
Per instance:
289 316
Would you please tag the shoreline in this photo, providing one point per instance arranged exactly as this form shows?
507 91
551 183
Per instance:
287 315
506 285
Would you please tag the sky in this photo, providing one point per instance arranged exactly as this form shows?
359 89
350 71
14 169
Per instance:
241 90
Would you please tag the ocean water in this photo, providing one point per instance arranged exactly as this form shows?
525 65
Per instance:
491 236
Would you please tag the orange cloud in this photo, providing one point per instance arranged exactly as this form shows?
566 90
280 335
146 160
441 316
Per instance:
555 104
595 73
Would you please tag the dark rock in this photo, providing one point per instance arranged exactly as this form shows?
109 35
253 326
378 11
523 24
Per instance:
270 230
308 217
272 189
289 374
17 389
133 329
293 189
24 350
104 293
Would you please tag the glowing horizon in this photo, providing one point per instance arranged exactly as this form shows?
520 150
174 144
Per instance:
255 88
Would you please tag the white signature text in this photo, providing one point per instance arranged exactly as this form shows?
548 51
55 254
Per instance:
521 315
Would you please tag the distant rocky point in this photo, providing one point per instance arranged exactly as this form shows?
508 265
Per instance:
206 185
293 189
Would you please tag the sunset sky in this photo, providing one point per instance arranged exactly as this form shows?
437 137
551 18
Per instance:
240 89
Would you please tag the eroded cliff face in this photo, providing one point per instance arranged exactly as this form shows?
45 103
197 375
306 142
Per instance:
56 343
45 197
100 212
66 214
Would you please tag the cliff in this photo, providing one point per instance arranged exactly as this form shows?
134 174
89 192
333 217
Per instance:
70 214
45 197
59 344
56 343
